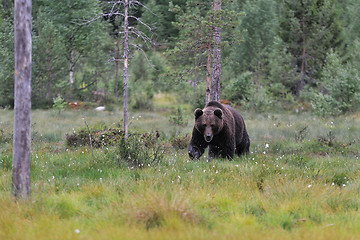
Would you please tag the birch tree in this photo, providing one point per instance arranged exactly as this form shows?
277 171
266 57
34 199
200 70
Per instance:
22 113
121 9
126 68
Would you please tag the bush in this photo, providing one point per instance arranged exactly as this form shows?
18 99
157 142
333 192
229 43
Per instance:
177 117
259 100
101 136
180 142
139 150
6 136
143 101
199 100
58 104
239 89
341 88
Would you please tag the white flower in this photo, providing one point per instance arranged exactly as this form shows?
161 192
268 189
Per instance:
309 186
77 231
267 145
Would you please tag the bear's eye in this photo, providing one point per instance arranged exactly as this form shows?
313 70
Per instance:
212 125
204 125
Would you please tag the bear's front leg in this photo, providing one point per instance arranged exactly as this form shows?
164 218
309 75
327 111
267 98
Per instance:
214 151
197 145
228 151
195 152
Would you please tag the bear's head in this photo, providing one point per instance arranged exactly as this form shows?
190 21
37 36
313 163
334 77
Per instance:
209 122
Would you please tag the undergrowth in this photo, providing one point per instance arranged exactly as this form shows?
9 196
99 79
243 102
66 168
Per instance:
300 181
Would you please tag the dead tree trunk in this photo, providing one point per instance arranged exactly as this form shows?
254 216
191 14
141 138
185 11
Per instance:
216 71
117 69
71 68
208 75
126 59
22 113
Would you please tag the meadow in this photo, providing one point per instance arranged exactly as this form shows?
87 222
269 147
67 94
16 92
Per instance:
300 181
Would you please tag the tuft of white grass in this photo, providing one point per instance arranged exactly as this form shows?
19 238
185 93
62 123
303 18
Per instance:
100 108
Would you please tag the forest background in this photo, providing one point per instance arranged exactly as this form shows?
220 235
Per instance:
276 54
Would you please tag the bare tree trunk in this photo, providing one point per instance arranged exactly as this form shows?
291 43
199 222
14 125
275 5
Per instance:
126 59
208 75
71 69
22 113
117 69
216 71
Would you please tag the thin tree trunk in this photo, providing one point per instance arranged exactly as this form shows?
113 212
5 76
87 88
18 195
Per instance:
117 69
301 82
49 74
22 113
48 87
216 71
126 59
71 68
208 75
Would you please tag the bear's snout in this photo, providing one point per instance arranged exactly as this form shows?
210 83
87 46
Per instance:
208 137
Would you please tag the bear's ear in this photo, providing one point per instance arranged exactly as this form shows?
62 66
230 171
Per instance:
218 113
198 112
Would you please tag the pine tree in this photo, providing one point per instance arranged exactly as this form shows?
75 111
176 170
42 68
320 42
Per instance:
309 28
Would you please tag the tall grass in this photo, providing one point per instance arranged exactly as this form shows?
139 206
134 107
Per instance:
300 181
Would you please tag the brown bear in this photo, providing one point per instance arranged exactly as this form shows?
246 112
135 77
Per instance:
221 128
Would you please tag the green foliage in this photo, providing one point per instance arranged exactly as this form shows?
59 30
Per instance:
292 184
138 150
259 100
59 104
142 101
6 57
177 117
180 142
311 28
258 25
239 89
282 73
264 37
5 135
341 83
101 136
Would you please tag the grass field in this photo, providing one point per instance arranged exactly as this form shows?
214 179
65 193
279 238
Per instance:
301 181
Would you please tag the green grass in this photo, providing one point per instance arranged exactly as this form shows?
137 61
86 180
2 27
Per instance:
301 181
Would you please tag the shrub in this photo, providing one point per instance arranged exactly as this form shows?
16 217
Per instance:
139 150
177 117
238 89
341 88
259 100
59 104
101 136
5 136
180 142
143 101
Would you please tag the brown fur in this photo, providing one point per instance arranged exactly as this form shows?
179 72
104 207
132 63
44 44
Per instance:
221 128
